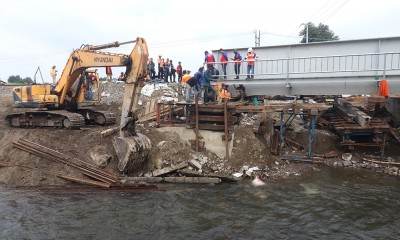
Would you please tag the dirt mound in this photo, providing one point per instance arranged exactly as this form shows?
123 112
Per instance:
249 149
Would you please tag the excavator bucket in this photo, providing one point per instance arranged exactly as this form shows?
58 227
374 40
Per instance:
132 152
133 148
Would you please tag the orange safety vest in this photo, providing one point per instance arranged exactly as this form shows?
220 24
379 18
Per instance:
225 94
383 88
250 58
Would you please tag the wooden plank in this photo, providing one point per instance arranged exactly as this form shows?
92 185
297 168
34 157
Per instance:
85 181
109 132
153 115
213 127
147 108
153 105
208 118
362 118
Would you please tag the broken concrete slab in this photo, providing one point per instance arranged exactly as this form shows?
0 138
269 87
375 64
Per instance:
142 179
203 180
195 164
224 177
172 168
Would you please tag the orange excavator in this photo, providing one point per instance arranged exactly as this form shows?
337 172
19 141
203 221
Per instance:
62 105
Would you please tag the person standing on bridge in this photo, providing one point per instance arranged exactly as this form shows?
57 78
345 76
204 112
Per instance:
53 74
224 60
251 61
238 62
209 57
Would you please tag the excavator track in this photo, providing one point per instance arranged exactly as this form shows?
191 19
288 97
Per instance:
98 117
57 119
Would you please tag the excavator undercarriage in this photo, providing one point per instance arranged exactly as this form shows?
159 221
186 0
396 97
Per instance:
60 118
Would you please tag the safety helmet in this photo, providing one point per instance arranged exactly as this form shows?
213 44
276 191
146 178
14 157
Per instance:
249 50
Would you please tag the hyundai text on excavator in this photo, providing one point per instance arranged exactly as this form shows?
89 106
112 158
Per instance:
63 102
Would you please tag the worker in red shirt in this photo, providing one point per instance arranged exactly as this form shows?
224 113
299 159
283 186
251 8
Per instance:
224 61
209 57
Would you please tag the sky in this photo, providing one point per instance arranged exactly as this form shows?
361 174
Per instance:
43 33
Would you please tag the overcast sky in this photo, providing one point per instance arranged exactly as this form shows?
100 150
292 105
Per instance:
42 33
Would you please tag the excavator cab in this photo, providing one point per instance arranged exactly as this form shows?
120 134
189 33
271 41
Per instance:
91 91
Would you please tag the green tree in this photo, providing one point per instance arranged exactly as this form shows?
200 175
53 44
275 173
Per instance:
318 33
18 80
28 80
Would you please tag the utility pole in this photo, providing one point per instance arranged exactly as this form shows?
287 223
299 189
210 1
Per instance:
306 24
257 38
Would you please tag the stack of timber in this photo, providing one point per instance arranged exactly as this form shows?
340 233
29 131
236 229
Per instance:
211 117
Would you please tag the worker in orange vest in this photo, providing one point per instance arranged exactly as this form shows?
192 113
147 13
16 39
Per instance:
251 61
225 94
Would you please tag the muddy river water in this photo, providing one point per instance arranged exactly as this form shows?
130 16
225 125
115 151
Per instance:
331 204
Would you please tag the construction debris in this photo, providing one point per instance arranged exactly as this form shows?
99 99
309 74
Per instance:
253 140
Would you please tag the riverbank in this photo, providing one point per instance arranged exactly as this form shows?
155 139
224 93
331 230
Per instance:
251 152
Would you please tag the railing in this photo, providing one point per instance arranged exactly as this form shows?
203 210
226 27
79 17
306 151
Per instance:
374 64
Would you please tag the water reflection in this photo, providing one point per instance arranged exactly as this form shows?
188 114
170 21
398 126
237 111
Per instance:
334 204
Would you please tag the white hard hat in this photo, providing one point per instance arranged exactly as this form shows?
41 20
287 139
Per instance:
250 49
210 52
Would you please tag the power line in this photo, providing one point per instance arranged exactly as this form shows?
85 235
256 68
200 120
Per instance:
336 10
323 11
279 35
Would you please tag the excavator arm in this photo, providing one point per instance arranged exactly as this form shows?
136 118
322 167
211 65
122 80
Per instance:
133 148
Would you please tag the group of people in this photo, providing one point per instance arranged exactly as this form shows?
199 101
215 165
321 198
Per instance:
200 82
166 69
200 85
250 58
